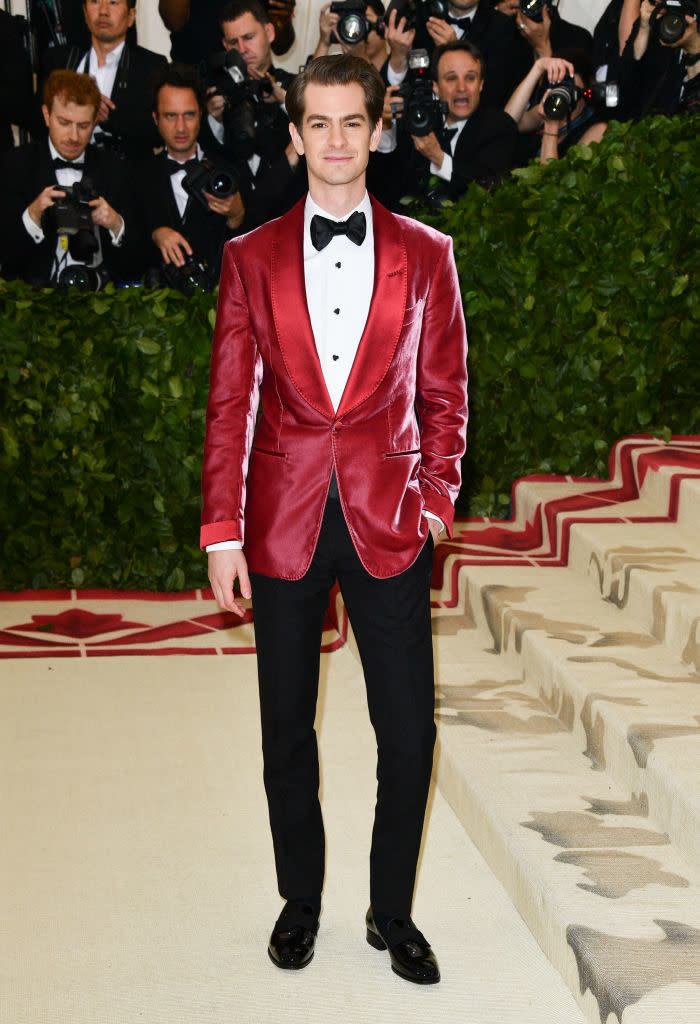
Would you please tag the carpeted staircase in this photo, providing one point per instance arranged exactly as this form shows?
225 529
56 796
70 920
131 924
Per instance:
568 652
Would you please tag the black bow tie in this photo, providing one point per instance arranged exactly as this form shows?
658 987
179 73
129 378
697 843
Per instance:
445 138
66 165
464 23
173 166
323 229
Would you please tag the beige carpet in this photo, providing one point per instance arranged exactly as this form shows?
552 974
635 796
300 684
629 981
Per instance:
136 868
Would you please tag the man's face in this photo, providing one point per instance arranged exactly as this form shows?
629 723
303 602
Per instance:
252 40
177 119
108 20
70 126
336 136
459 84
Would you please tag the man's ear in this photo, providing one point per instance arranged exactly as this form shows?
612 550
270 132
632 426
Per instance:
132 16
270 31
154 115
375 136
46 113
297 140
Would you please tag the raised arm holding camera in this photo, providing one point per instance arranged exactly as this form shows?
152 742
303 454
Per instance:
63 219
660 61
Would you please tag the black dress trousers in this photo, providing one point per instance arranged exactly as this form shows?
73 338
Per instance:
391 622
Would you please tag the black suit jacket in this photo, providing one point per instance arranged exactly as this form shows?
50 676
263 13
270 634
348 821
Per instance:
131 120
25 172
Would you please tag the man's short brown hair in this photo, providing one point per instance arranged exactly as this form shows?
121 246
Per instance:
72 87
338 69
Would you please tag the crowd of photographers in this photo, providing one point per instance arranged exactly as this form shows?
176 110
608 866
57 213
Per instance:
140 170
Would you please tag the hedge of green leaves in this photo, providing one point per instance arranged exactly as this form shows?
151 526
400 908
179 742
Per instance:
579 286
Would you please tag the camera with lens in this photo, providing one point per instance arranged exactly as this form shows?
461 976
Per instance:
563 96
248 115
70 216
205 177
194 275
82 278
423 112
416 12
533 9
353 24
668 18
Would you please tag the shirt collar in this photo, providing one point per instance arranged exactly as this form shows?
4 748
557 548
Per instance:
199 155
112 58
55 155
468 16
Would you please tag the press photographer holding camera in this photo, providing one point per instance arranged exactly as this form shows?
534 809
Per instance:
190 205
65 215
443 129
357 28
660 62
246 117
558 105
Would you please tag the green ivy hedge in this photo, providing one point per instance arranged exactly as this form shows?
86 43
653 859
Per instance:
579 287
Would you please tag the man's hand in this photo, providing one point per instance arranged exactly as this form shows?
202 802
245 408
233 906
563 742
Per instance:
400 40
105 216
440 31
224 568
278 94
106 107
174 247
537 32
326 24
216 104
231 208
508 7
436 529
393 105
429 147
555 67
43 201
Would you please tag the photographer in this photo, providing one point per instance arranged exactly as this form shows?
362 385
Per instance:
63 212
365 37
16 87
660 63
550 127
186 221
467 142
545 32
246 114
123 72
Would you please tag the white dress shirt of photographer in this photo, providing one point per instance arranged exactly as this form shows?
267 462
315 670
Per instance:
70 128
252 35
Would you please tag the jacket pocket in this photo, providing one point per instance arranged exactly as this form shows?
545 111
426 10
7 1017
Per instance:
394 455
267 451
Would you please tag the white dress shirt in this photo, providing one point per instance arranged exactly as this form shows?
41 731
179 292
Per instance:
176 179
105 75
445 170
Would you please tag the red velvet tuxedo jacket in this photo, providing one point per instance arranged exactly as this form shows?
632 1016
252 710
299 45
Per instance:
398 435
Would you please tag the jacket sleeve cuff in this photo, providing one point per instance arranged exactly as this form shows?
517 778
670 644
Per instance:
440 507
215 533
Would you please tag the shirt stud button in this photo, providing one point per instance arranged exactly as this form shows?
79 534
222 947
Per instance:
336 311
338 265
336 357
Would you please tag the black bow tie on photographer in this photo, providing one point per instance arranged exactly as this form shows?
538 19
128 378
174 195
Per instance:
323 229
464 23
67 165
445 138
173 165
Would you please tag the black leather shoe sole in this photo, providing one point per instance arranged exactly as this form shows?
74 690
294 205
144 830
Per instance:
290 965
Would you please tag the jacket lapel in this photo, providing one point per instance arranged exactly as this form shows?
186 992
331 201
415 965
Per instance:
291 314
386 312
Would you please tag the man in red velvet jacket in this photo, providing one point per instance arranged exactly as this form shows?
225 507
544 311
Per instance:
347 322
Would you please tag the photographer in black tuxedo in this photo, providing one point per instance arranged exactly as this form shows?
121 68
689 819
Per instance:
124 74
449 135
189 205
65 217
